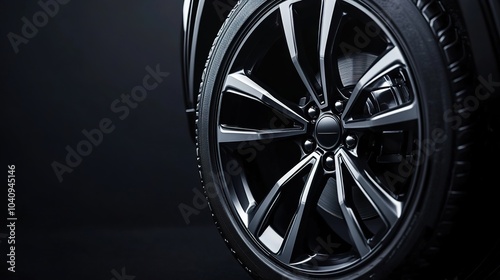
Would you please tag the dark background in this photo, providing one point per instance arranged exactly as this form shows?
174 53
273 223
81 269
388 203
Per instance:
116 215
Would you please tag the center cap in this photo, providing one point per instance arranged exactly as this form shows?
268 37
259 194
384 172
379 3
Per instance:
328 131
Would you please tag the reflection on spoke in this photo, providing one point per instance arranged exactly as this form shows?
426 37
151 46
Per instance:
396 116
287 20
297 223
246 87
327 12
388 62
355 230
387 207
262 211
229 134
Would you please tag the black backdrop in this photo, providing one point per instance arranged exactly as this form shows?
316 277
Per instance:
67 69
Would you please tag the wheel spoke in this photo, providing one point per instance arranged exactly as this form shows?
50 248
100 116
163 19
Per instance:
388 62
325 37
391 118
287 21
243 198
298 221
262 210
355 230
229 134
246 87
386 206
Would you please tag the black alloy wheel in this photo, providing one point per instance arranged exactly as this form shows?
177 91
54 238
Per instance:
323 136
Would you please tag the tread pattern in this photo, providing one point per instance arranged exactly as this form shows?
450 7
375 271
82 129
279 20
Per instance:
458 61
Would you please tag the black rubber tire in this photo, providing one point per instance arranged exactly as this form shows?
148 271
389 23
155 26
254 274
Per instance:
439 60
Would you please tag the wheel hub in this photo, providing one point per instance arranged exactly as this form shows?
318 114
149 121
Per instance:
328 131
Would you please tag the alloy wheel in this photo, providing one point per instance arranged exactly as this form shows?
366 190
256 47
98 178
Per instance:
317 129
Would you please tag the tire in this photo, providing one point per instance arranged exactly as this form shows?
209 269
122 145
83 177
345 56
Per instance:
327 140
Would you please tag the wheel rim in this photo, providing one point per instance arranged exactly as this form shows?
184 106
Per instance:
319 166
